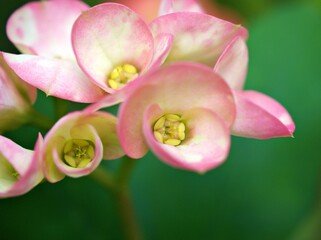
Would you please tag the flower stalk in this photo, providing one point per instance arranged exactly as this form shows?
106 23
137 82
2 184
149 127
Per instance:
118 185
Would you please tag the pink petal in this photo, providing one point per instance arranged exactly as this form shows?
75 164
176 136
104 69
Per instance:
44 28
171 6
15 153
16 97
8 75
176 88
232 64
197 37
79 172
24 162
49 168
9 94
259 116
109 35
130 122
80 125
109 99
163 43
206 146
117 97
105 124
34 174
56 77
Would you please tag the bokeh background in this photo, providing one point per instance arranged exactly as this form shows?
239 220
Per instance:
265 190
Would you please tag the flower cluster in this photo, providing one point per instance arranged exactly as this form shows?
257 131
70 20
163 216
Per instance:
179 80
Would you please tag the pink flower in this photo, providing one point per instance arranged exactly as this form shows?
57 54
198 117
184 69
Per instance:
183 113
20 169
77 143
42 31
258 115
196 37
214 42
16 97
114 46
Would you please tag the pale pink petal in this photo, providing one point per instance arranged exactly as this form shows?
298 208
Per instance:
44 28
16 98
232 65
259 116
33 175
91 134
162 47
108 100
9 94
163 43
197 37
105 125
130 121
206 146
49 168
16 155
57 77
29 93
109 35
170 6
80 125
55 139
176 88
115 98
14 158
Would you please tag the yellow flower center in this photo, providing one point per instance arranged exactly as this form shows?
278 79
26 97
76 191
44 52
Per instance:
78 152
169 129
121 75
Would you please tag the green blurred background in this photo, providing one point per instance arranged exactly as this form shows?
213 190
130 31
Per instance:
265 190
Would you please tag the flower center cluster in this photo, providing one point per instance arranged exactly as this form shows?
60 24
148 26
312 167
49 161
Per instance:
121 75
78 152
169 129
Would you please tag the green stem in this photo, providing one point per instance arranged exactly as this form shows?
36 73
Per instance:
38 119
104 178
127 214
123 201
124 172
118 184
